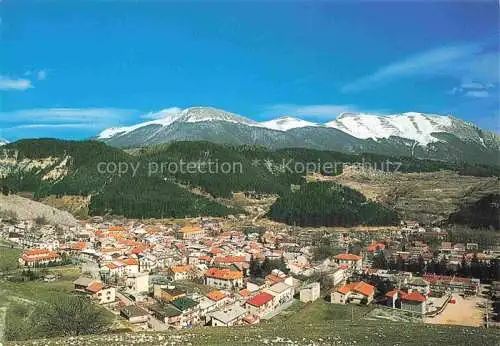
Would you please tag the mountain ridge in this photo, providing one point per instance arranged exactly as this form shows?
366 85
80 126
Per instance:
420 135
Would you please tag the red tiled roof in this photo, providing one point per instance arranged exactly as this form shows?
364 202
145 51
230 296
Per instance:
230 259
138 250
95 287
359 287
413 297
181 269
274 278
391 294
260 299
81 245
35 255
375 246
130 261
215 295
244 292
205 258
224 274
347 257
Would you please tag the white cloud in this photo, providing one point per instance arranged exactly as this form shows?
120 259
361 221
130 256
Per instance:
162 114
60 119
20 84
463 62
472 89
67 115
42 74
472 85
477 93
56 126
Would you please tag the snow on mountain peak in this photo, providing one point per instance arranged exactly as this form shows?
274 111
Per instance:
200 114
3 142
162 118
410 125
286 123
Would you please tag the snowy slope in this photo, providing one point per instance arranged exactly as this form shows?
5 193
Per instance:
201 114
118 131
3 142
286 123
411 125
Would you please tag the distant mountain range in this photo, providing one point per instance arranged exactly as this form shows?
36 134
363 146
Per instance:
411 134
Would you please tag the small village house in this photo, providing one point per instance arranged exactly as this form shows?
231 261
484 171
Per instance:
408 301
357 292
229 316
167 293
137 282
134 314
282 293
100 292
353 262
310 293
181 272
224 278
260 305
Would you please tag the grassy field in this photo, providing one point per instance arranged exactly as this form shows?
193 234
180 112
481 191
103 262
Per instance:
318 323
19 299
8 257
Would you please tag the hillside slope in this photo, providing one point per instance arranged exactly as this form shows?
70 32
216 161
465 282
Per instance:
26 209
428 197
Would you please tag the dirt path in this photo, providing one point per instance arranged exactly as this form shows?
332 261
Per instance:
464 312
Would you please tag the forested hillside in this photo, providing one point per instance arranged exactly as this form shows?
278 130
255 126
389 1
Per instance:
53 167
150 188
329 204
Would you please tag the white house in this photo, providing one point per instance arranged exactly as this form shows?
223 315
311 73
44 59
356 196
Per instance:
282 293
310 292
229 316
356 292
137 282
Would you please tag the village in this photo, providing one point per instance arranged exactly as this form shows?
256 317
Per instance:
210 272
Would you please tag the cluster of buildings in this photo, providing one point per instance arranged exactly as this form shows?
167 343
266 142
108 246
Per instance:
140 271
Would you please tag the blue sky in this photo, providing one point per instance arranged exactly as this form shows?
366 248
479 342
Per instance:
71 68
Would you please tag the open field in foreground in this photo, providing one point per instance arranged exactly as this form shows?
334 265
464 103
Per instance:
318 323
464 312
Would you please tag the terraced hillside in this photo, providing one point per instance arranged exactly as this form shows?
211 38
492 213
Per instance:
428 197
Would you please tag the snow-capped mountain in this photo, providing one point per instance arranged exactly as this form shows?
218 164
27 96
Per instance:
414 126
200 114
119 131
413 134
286 123
3 142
